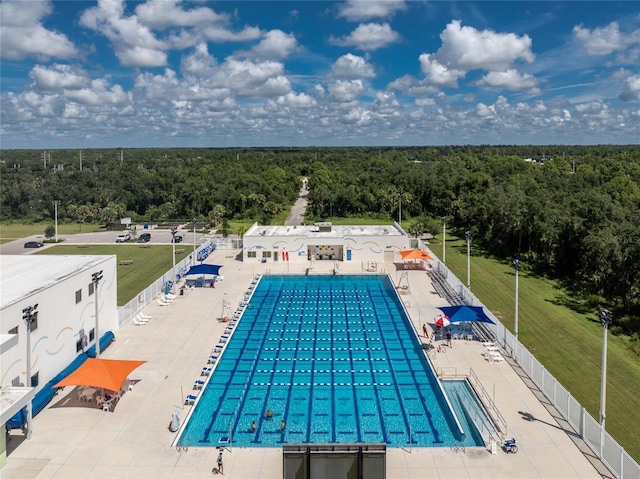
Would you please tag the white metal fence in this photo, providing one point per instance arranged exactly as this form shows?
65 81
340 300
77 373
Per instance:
619 462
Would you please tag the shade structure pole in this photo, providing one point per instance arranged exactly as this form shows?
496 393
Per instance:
29 314
174 230
444 231
605 317
96 277
194 240
516 266
55 209
467 235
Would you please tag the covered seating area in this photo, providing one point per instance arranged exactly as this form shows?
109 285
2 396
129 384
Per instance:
102 380
203 276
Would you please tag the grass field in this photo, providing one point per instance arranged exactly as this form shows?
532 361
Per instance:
148 263
12 231
566 342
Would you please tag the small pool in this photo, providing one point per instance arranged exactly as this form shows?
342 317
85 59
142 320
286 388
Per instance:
333 356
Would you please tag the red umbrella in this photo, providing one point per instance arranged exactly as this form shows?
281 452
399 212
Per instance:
442 321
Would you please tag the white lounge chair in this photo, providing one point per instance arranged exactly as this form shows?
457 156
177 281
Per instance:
144 316
137 322
140 319
494 357
190 399
162 303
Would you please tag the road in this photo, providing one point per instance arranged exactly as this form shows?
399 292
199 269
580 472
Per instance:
298 210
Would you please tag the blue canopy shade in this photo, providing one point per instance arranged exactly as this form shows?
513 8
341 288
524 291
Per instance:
202 269
460 314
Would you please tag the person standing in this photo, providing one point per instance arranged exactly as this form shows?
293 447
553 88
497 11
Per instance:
220 465
424 330
449 338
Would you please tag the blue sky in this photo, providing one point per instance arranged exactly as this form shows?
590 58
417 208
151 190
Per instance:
171 73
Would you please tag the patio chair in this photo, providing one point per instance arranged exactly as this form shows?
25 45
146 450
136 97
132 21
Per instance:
190 399
162 303
99 401
106 406
198 384
206 371
144 316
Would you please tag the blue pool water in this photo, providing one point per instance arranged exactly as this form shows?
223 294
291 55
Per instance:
336 358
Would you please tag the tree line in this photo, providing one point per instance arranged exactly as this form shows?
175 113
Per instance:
567 212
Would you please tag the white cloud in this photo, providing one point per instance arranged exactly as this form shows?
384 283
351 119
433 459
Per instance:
98 93
58 77
349 67
294 100
510 80
199 63
600 41
162 14
345 91
437 73
359 10
275 45
134 43
466 48
368 37
22 34
631 90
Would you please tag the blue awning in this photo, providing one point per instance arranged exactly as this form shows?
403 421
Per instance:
203 269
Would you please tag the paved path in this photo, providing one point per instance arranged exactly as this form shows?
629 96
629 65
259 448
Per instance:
298 210
80 441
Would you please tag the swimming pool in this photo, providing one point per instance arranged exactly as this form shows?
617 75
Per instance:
333 356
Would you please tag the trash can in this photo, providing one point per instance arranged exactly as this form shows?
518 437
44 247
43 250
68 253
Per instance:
181 291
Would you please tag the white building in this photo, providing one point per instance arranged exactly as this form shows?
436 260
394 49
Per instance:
324 241
60 291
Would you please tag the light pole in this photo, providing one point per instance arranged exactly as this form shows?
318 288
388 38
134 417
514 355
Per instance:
195 220
467 234
55 209
444 232
605 318
174 230
29 314
516 266
95 278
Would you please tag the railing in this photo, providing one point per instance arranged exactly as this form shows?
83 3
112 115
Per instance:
145 296
619 462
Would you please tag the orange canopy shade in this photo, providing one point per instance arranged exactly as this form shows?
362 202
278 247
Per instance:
101 373
415 254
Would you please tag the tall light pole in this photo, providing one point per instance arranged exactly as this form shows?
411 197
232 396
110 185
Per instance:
605 317
516 266
444 232
55 209
95 278
29 314
195 220
174 230
467 234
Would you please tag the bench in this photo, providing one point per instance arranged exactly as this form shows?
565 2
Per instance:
145 246
126 262
178 251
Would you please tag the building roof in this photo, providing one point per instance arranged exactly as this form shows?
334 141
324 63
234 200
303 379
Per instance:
22 276
325 230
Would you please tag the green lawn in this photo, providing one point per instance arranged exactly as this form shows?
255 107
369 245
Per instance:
148 263
566 342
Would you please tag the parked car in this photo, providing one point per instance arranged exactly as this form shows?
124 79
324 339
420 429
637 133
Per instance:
144 238
123 237
176 239
33 244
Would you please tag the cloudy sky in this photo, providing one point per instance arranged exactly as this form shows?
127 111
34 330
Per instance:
172 73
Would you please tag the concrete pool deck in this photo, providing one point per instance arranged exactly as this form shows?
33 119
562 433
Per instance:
77 440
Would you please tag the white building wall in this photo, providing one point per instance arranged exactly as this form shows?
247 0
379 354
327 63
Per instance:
352 247
60 321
